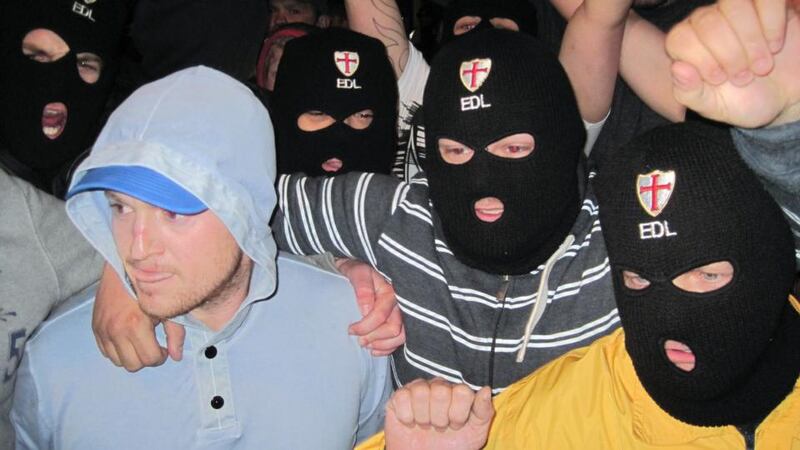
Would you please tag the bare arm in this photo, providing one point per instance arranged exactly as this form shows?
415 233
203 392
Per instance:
643 62
590 53
644 65
381 20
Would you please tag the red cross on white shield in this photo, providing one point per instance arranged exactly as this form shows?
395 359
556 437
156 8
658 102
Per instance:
346 62
654 190
473 73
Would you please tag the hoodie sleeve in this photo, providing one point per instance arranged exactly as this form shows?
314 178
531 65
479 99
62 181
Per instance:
29 414
344 215
72 259
772 154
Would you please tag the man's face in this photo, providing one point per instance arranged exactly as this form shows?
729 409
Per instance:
290 11
176 263
45 46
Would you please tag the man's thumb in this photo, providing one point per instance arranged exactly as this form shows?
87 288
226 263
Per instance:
175 337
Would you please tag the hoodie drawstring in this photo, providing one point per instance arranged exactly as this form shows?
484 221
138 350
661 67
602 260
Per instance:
541 295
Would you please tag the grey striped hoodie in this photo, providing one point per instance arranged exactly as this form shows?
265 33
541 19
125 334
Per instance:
462 324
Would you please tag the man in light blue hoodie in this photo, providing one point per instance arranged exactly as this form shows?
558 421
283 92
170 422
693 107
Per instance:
176 196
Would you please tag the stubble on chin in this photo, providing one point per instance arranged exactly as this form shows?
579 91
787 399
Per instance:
164 307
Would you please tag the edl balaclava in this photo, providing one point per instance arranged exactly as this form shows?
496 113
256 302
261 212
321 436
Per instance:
520 11
484 87
678 198
27 86
337 72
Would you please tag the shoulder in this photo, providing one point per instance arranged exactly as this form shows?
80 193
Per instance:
65 339
565 397
317 292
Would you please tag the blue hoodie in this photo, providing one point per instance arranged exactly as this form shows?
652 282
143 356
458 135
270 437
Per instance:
283 373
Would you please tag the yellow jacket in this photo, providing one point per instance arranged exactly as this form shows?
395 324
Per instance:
591 398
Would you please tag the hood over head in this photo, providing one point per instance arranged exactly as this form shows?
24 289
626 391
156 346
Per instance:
209 135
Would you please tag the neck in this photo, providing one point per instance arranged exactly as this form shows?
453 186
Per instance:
220 307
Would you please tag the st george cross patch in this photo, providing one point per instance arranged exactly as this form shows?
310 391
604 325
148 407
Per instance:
346 62
473 73
654 190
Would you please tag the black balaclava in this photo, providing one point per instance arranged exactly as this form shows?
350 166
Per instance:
27 86
676 199
176 34
529 92
520 11
338 72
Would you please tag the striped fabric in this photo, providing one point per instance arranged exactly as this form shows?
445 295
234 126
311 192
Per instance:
456 326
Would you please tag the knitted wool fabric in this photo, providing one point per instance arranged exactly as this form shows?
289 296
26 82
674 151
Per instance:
483 87
677 198
337 72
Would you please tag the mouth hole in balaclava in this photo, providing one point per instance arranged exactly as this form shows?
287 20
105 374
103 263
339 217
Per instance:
468 23
46 46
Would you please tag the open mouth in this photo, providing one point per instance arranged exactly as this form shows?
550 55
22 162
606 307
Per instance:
680 354
54 119
489 209
332 165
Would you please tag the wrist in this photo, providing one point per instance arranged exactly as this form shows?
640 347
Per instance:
788 115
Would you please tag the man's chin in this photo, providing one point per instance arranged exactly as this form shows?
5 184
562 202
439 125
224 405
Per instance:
158 307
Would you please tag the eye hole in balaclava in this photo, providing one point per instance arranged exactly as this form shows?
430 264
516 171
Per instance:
464 16
515 146
312 121
468 23
45 46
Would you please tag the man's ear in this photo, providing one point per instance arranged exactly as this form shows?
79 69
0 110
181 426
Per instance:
323 21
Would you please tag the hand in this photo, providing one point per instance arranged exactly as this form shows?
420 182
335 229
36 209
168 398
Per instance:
737 62
124 333
434 414
381 328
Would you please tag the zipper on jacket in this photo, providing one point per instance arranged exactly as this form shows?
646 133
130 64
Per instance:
501 299
749 435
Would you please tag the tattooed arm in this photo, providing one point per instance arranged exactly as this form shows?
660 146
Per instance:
381 19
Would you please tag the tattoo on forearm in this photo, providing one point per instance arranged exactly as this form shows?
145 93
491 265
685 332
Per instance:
389 25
